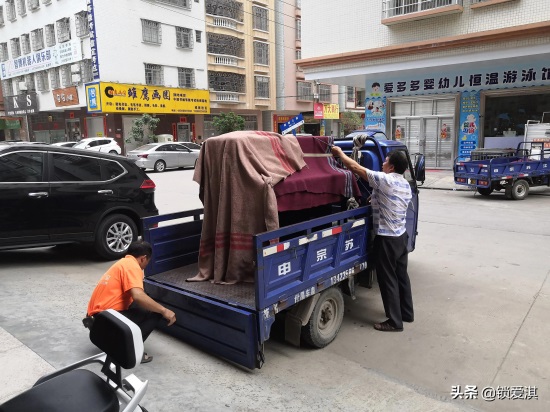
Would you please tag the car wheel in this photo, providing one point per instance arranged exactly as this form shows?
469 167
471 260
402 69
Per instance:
114 235
113 152
485 191
520 190
160 166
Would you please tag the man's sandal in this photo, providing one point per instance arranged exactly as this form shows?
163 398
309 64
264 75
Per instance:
146 358
387 327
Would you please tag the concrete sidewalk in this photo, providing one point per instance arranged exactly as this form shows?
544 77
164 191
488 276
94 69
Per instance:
442 180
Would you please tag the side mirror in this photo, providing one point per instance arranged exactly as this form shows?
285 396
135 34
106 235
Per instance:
419 167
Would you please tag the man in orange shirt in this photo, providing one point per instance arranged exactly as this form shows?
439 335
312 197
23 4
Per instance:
121 289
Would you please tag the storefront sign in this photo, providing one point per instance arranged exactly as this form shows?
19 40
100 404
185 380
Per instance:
58 55
318 109
21 104
497 77
65 97
468 133
104 97
292 124
331 111
375 109
93 39
13 124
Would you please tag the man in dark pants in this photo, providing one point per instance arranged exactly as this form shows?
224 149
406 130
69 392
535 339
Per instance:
121 289
390 198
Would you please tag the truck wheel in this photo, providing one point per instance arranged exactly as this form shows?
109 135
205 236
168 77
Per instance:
485 191
114 235
325 320
520 189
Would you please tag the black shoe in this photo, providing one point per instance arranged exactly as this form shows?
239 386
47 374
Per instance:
88 322
408 320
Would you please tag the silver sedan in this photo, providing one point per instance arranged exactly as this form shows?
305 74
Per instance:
162 156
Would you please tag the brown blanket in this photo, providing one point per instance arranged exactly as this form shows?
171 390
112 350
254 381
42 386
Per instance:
236 173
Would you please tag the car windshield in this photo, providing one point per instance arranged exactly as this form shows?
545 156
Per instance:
145 147
82 144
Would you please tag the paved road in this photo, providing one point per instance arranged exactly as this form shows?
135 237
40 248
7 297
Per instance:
481 290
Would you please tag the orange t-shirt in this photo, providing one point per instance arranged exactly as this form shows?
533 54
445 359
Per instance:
113 289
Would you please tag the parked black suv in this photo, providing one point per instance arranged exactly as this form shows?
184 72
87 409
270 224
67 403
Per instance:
53 195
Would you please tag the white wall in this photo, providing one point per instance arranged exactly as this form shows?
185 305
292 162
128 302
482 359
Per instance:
122 53
353 25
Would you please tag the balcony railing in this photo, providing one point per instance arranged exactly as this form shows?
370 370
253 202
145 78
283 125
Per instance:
226 60
226 23
226 97
394 8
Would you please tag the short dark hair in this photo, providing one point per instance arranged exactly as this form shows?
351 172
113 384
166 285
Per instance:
140 248
375 84
399 161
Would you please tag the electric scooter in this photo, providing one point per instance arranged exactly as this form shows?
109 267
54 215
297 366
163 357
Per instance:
75 389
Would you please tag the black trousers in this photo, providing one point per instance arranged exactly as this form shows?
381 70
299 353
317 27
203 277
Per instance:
391 259
147 321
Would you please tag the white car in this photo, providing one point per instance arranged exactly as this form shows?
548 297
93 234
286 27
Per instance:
99 144
162 156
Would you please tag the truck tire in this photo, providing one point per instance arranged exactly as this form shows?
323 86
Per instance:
520 190
325 320
114 235
485 191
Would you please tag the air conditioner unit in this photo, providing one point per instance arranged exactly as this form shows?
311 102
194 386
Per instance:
75 68
22 86
75 78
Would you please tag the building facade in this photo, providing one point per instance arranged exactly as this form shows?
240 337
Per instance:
444 76
50 50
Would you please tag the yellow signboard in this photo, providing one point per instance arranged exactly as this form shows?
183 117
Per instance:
331 111
105 97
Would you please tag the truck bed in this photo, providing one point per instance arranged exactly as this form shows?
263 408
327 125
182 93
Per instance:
239 294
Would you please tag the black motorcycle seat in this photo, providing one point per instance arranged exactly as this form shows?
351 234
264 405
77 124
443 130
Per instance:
77 390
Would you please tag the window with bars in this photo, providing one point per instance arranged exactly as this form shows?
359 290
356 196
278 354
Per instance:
37 39
42 83
261 53
261 87
50 35
154 74
86 73
65 73
63 30
1 15
325 92
25 43
184 38
393 8
198 36
152 32
33 4
224 44
81 23
21 8
15 47
7 87
29 81
260 18
186 4
298 54
298 29
350 94
304 91
55 82
225 8
186 78
226 82
4 52
10 10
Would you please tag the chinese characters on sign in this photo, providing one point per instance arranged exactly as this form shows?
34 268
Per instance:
469 124
93 39
490 394
58 55
292 124
452 82
65 97
133 98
